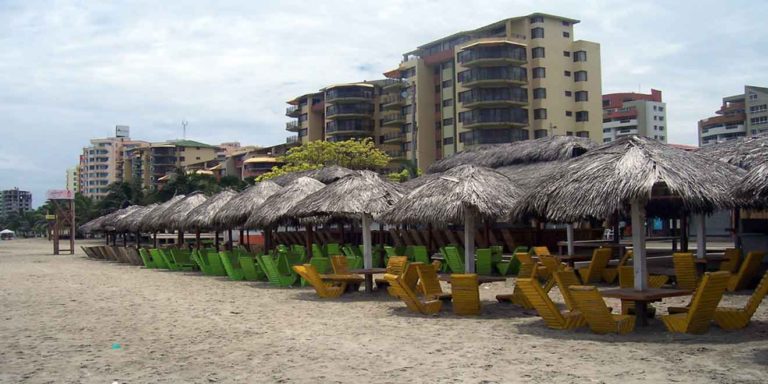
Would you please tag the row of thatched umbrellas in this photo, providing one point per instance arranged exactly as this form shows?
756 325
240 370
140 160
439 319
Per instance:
560 179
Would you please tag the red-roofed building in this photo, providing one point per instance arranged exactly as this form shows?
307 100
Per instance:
631 113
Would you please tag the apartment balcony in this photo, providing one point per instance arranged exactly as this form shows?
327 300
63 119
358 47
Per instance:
292 126
393 84
293 111
395 155
480 57
484 122
347 110
503 99
349 95
292 140
392 119
393 101
392 138
349 127
164 160
479 77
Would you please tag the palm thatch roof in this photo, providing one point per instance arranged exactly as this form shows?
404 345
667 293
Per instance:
152 220
753 188
131 222
202 216
175 214
363 192
609 177
93 225
485 192
237 210
111 222
288 178
275 207
416 182
746 152
550 148
531 175
325 175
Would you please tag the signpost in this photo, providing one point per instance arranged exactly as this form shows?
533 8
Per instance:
63 202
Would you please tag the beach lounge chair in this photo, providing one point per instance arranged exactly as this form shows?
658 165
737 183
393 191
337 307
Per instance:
514 263
734 257
454 259
353 260
395 266
232 265
215 266
598 316
429 284
182 258
540 251
419 254
527 269
594 272
410 276
333 249
318 251
747 271
158 259
483 261
502 266
299 251
685 270
165 254
550 265
202 266
275 277
553 317
465 294
565 279
146 258
611 272
324 289
408 296
736 318
251 269
702 309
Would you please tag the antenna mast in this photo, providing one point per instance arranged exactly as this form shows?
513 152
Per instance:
184 124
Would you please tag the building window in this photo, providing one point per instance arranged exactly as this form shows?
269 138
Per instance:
438 125
566 23
661 118
655 117
568 113
580 76
540 93
582 96
448 103
654 107
540 114
661 127
448 83
759 120
566 34
537 33
606 103
447 122
758 108
448 141
661 109
567 53
537 19
580 56
567 73
753 96
568 93
539 73
582 116
537 52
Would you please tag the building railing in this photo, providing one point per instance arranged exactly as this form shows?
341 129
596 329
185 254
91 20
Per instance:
392 117
292 109
292 125
292 139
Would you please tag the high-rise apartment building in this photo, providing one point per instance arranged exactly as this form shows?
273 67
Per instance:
15 200
632 113
739 116
101 163
151 162
73 179
516 79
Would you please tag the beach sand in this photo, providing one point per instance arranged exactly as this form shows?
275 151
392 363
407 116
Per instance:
67 319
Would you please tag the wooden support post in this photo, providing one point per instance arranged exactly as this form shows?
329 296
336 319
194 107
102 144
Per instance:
638 246
469 240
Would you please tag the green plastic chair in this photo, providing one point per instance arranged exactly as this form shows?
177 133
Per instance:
514 266
483 261
165 254
420 254
353 260
231 265
318 251
299 250
332 249
182 258
215 266
146 258
502 266
453 259
158 259
270 267
251 270
199 262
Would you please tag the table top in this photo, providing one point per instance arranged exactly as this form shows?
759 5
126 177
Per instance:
368 271
573 257
712 259
650 294
592 244
333 276
481 279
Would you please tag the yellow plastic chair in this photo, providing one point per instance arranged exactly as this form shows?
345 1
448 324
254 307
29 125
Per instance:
627 278
702 309
408 296
547 309
599 317
466 294
736 318
611 272
541 251
395 266
685 270
551 265
734 257
594 272
748 270
429 284
566 279
324 289
527 269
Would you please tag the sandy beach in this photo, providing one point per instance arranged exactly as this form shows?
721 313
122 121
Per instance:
68 319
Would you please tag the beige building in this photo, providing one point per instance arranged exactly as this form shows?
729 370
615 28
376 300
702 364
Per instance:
739 116
73 179
156 160
516 79
102 163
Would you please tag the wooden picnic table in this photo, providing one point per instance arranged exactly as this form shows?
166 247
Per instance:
368 273
642 298
481 279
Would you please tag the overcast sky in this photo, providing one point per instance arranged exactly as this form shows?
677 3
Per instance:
72 70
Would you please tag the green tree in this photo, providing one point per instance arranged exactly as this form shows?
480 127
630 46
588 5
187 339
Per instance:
352 154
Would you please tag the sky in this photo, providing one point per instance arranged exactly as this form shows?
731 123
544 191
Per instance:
72 70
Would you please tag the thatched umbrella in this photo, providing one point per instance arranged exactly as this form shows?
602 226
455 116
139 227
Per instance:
110 222
364 195
130 223
332 173
753 188
288 178
237 210
463 193
93 225
275 207
746 152
175 214
633 171
202 216
549 148
151 220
